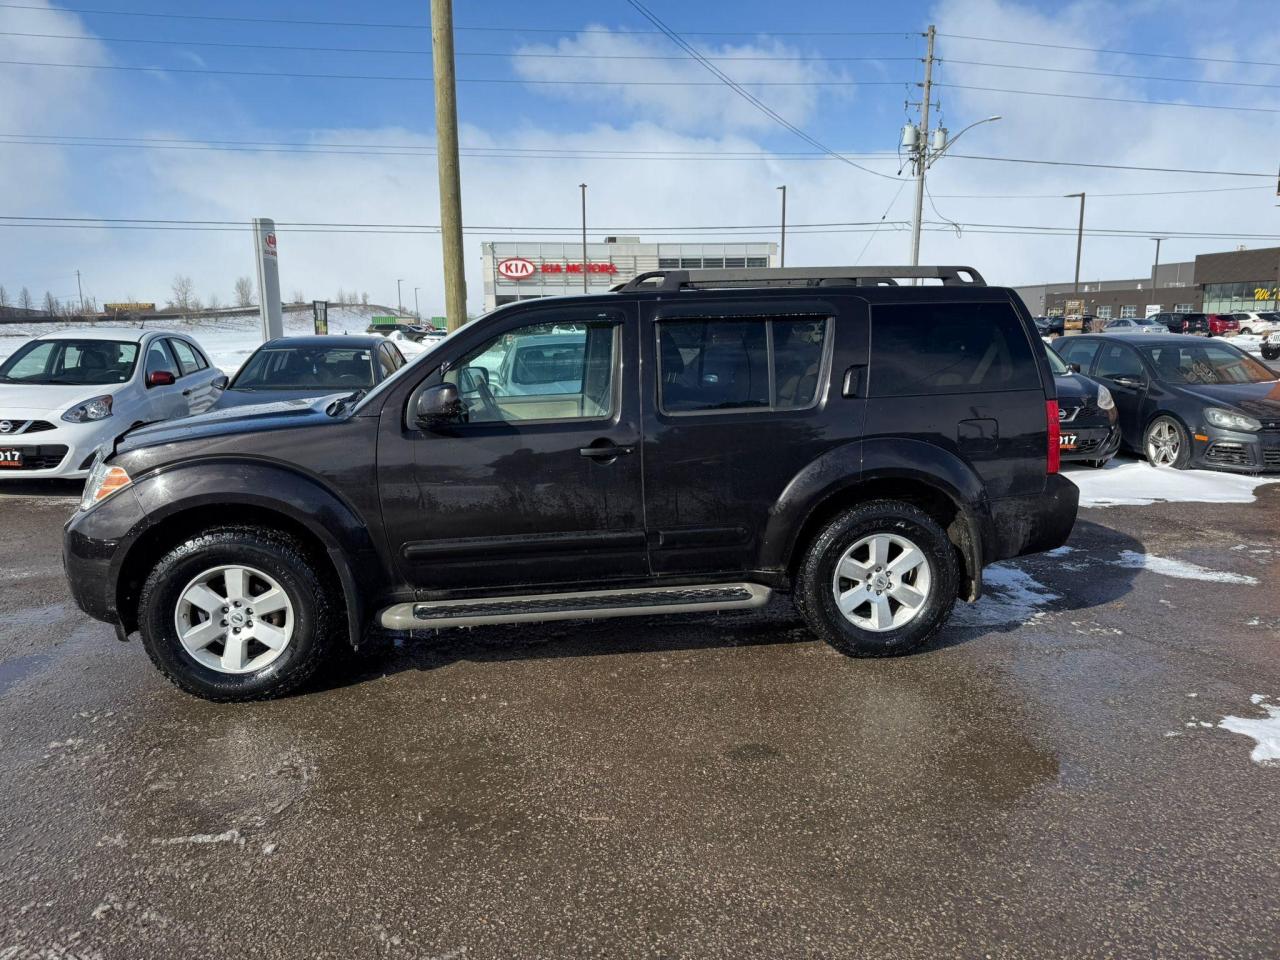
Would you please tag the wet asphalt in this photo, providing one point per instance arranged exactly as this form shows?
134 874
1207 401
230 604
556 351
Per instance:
1038 784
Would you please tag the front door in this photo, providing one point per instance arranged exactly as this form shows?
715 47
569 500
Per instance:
1121 369
164 400
540 483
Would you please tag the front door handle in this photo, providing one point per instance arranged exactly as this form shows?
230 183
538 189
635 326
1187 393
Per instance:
186 393
605 451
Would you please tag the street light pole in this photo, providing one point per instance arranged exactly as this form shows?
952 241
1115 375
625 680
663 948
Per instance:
1079 240
399 302
1155 267
583 188
922 153
783 262
416 312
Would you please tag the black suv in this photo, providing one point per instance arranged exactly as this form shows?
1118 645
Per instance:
691 441
1184 322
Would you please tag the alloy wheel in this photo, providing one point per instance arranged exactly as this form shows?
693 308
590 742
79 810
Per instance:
234 619
882 582
1163 444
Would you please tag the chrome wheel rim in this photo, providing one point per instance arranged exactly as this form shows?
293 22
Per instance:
882 582
234 619
1163 444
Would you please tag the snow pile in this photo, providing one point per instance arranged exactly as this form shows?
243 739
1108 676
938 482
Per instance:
1181 569
1137 483
1009 595
1265 730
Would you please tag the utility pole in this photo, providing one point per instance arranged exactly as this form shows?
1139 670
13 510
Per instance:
922 154
416 312
455 281
583 188
1079 240
783 262
1155 267
80 290
399 302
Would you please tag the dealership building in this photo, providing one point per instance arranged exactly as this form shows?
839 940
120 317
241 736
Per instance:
1232 282
526 270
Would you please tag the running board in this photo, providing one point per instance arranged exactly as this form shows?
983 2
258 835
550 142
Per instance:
590 605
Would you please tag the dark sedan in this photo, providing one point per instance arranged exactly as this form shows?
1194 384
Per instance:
292 368
1086 415
1186 401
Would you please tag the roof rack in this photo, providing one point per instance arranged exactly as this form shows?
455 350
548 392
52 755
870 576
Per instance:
670 280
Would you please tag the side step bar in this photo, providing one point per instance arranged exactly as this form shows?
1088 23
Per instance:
590 605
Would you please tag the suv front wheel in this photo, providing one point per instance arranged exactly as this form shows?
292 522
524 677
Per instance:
236 614
879 580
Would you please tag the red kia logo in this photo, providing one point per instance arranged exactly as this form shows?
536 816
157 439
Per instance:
516 268
271 240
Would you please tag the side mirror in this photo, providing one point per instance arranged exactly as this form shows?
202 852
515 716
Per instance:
1075 367
439 405
220 383
160 378
472 379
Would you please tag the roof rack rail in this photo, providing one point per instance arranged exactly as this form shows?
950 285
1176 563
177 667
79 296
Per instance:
670 280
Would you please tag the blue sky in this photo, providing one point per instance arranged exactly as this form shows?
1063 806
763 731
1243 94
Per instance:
675 111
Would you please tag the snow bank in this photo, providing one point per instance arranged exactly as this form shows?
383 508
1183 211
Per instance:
1137 483
1181 569
1264 730
1009 595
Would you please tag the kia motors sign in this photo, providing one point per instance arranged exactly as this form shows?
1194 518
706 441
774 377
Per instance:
516 268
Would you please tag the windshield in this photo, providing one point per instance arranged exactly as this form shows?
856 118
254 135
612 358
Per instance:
306 368
71 362
1206 363
1056 363
1148 322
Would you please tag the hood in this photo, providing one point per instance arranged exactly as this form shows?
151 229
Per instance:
263 398
1074 388
260 418
51 398
1256 399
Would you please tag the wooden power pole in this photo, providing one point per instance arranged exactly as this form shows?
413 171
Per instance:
455 281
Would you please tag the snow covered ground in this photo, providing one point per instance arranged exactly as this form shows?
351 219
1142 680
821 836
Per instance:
1265 730
1127 482
227 340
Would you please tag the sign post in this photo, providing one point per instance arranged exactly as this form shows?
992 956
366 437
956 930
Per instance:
321 310
264 246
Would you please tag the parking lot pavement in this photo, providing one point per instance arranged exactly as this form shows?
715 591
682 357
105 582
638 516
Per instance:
1050 780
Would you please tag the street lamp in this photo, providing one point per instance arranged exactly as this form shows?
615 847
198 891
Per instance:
1079 238
416 312
399 301
925 156
1155 267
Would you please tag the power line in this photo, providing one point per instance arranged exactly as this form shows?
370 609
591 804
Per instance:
1058 196
1121 53
745 94
1108 166
1119 76
427 79
1079 96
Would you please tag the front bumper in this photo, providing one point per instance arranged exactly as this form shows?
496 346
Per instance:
1092 442
65 452
1236 451
91 544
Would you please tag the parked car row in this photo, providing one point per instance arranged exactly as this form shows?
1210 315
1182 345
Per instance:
1206 324
64 395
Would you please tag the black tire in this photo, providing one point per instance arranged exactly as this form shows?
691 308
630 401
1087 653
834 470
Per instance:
309 593
1246 332
815 598
1183 458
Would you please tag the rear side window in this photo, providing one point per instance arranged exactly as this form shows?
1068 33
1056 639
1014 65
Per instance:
735 364
1080 352
941 348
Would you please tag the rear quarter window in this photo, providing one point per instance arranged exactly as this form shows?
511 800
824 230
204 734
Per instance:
926 349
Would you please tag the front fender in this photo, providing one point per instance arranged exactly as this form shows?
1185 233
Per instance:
227 483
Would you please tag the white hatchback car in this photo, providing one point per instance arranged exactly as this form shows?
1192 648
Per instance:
64 394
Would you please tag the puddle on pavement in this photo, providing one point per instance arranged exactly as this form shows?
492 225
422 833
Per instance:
16 669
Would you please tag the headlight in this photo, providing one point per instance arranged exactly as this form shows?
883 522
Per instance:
1231 421
1105 400
103 481
99 408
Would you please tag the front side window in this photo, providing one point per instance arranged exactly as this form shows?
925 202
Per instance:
186 357
545 371
70 362
306 368
1079 352
160 360
1118 360
924 349
736 364
1208 363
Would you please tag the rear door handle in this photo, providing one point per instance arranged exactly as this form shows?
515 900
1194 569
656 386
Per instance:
605 452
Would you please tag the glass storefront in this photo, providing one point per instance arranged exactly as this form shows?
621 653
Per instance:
1232 297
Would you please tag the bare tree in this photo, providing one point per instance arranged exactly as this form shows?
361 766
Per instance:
244 292
4 297
364 298
298 297
213 303
182 292
50 304
24 299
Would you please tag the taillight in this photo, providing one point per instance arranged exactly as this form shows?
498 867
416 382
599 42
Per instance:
1055 435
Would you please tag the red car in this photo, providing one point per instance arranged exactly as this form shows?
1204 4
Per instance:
1223 325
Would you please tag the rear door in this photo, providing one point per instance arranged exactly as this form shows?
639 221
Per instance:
196 376
962 375
738 399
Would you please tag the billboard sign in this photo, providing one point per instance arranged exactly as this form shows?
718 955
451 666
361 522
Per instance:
267 255
516 268
321 310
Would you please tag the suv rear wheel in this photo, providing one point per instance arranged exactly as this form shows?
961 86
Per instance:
879 580
236 614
